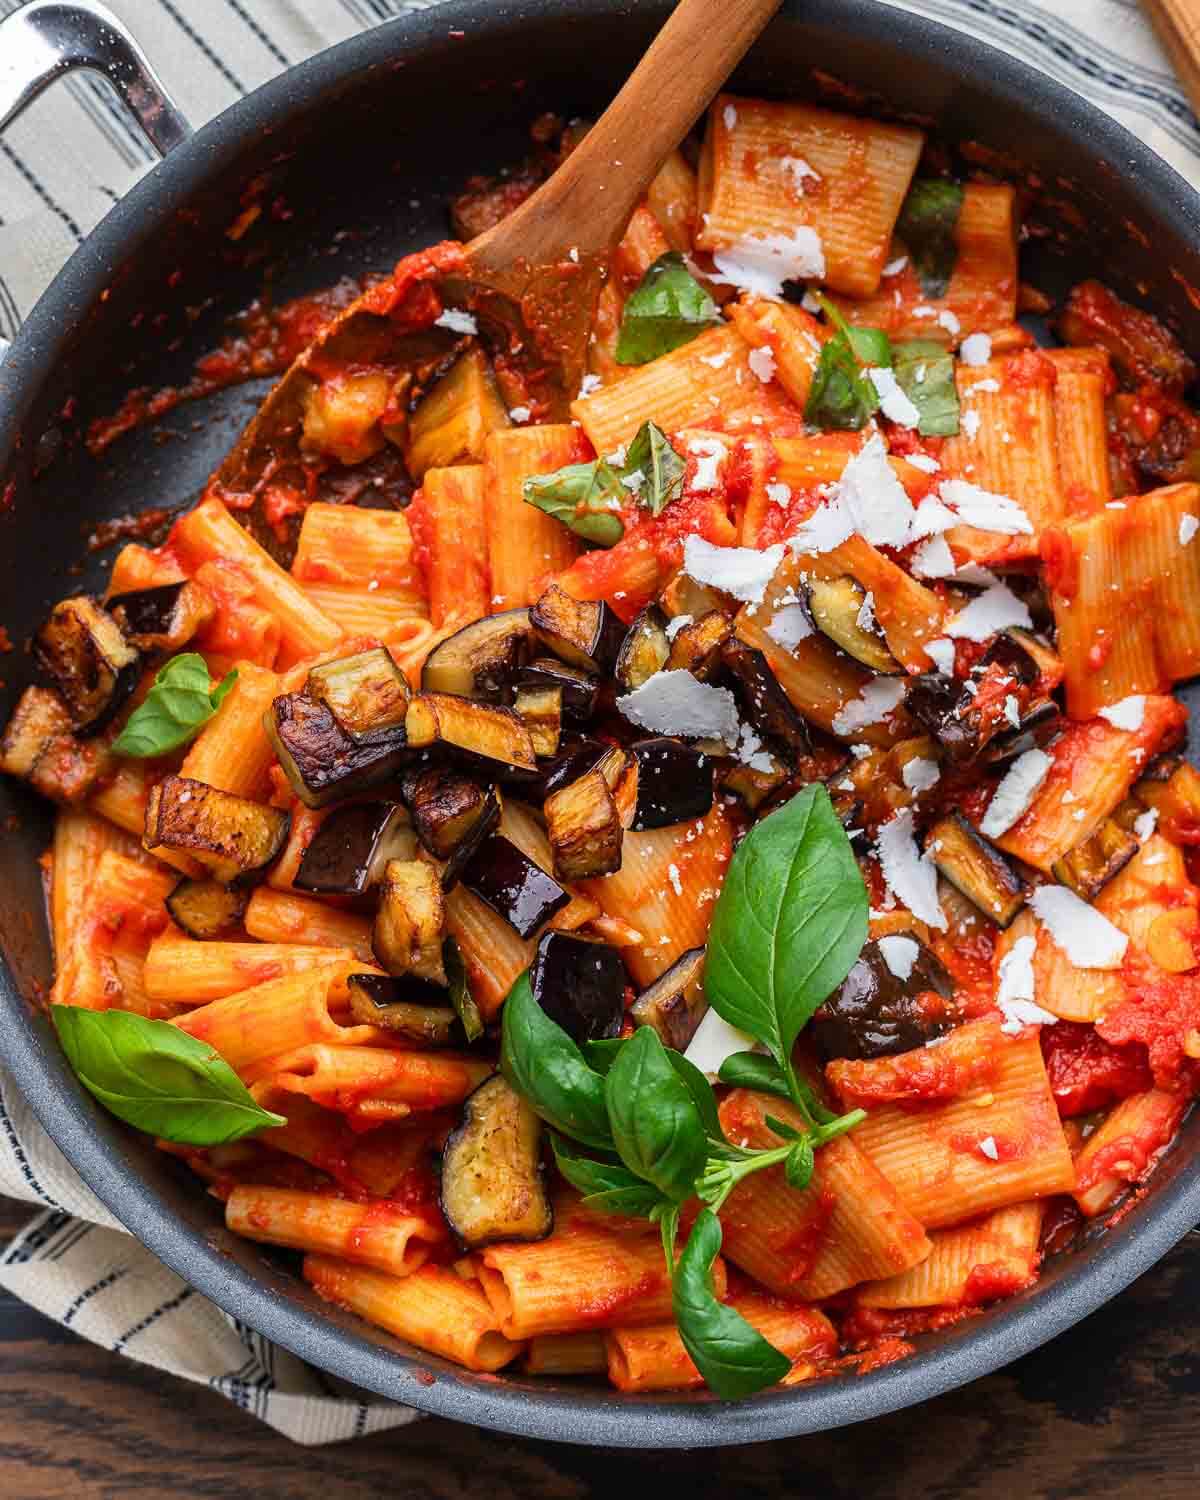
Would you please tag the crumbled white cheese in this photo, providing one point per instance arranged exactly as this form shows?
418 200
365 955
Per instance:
673 877
900 954
589 384
923 461
909 875
1016 973
894 267
798 169
969 422
949 322
715 1040
924 311
762 263
1085 935
1127 714
751 753
729 115
932 518
743 572
789 626
778 494
680 622
1012 710
920 774
762 363
1188 527
1012 797
893 402
975 349
828 527
1145 823
941 653
987 387
865 619
634 481
879 697
457 320
977 507
933 559
708 453
716 361
995 609
874 498
678 703
520 414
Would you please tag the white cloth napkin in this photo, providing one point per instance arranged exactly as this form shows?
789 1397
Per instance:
61 167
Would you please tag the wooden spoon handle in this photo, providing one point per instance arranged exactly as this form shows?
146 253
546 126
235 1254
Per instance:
587 203
1177 23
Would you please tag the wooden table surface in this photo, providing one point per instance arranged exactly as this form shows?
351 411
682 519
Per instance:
1110 1409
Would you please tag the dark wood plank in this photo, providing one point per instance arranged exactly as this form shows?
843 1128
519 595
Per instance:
1107 1412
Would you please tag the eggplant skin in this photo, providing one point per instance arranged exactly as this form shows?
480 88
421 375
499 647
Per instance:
93 666
39 718
580 689
644 651
675 783
350 849
585 633
366 693
408 931
584 828
234 837
580 984
514 886
493 1183
206 909
675 1004
413 1008
874 1014
319 758
164 618
482 660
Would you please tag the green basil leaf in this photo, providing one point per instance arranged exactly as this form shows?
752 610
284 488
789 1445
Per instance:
602 1054
459 986
585 497
733 1357
158 1078
544 1065
842 397
925 373
928 219
174 710
661 468
798 1167
605 1185
668 309
701 1091
656 1126
870 346
789 923
752 1070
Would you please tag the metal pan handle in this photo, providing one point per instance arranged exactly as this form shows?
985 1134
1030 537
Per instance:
47 39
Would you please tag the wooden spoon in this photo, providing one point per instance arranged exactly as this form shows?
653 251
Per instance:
533 280
1177 23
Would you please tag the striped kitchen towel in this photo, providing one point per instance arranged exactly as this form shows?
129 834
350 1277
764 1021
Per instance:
62 166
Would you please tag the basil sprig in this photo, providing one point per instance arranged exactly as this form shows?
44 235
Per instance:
158 1078
928 219
175 709
668 309
842 397
588 497
635 1125
925 373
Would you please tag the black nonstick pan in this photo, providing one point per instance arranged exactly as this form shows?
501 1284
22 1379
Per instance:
362 144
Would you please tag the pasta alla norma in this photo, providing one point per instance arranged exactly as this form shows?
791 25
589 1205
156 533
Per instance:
828 556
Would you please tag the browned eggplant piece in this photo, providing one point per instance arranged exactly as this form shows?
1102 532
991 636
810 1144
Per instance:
321 761
69 769
838 609
585 633
765 703
414 1008
755 788
1043 723
1172 788
164 618
352 848
675 783
697 647
486 735
877 1014
39 717
493 1185
540 709
206 909
482 660
580 689
997 706
580 984
366 693
620 771
459 989
584 828
93 666
513 886
974 867
575 757
674 1004
452 815
1089 867
684 595
233 837
407 936
644 650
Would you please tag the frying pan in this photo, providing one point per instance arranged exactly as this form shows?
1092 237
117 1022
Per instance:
361 145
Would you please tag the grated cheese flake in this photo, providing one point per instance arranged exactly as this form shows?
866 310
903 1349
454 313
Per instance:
941 653
743 572
708 453
988 1148
920 774
909 875
933 559
923 461
900 954
979 507
675 702
457 320
680 622
894 267
778 493
1127 714
1145 823
975 349
873 498
1012 797
1188 527
1085 935
789 626
878 698
714 1041
894 404
995 609
762 363
762 263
